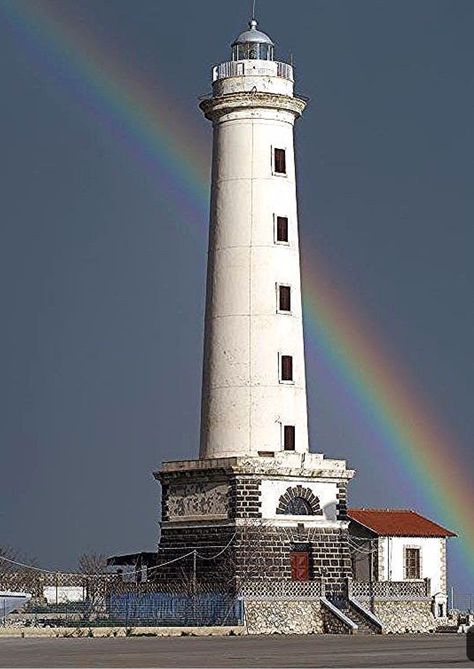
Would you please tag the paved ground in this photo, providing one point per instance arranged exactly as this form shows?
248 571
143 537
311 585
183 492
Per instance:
310 651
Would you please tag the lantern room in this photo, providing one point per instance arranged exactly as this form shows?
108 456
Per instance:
252 45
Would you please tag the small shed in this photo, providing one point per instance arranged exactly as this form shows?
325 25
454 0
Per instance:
133 566
399 545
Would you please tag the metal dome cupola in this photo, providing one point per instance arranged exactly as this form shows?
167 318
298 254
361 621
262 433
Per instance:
252 44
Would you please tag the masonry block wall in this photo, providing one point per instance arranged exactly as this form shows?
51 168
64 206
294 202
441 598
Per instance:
207 510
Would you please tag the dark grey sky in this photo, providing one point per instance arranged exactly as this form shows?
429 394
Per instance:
102 282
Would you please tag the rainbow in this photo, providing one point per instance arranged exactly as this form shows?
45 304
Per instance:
137 113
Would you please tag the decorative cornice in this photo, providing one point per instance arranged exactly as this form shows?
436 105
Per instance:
215 107
287 465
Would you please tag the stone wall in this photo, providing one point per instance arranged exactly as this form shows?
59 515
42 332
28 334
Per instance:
443 566
257 552
270 548
205 508
244 497
283 616
400 617
332 624
342 501
178 540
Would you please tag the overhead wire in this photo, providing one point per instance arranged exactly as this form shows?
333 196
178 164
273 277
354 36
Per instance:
126 572
213 557
352 545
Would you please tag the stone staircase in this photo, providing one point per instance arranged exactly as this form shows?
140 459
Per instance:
366 621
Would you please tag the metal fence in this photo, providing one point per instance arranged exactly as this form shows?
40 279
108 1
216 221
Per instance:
167 609
151 609
463 602
73 600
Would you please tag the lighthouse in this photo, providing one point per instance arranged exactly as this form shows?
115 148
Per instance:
257 509
254 385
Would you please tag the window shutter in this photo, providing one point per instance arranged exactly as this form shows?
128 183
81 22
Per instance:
286 368
282 229
289 437
280 161
412 563
284 298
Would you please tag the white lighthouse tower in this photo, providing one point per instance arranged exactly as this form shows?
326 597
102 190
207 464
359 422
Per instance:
258 516
254 464
254 386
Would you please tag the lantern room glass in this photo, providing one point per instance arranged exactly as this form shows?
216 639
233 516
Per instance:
252 51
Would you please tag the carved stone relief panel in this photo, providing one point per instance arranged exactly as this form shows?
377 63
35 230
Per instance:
195 500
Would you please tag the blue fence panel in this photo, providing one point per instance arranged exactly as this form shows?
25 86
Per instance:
170 609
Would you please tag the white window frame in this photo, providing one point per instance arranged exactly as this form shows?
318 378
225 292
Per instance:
274 172
280 379
275 229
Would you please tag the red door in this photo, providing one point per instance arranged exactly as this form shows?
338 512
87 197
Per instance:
299 566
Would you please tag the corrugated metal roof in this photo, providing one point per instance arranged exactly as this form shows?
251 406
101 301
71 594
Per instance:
398 522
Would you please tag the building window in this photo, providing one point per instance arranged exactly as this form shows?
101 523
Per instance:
298 506
289 437
298 501
284 298
279 161
286 368
282 229
412 563
299 565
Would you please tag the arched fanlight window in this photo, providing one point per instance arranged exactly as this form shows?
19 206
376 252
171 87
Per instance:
299 501
299 507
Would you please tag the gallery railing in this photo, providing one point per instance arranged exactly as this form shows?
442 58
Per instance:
262 68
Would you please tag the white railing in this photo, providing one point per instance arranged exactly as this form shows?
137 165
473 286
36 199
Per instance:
284 70
390 589
253 67
282 589
230 69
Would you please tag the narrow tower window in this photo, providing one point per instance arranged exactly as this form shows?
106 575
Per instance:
284 298
282 229
287 368
279 161
289 437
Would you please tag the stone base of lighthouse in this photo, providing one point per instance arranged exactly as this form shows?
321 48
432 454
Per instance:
277 519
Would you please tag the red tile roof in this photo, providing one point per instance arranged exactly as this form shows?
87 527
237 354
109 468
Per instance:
398 523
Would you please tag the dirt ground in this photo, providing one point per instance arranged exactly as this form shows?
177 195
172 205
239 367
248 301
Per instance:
435 650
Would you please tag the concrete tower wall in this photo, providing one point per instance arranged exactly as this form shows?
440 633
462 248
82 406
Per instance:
245 404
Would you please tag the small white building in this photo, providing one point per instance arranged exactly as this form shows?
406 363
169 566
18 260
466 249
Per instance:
400 545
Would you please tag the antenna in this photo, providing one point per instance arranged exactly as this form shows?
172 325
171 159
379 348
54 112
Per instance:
253 9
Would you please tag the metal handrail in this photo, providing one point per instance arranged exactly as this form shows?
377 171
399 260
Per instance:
235 68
